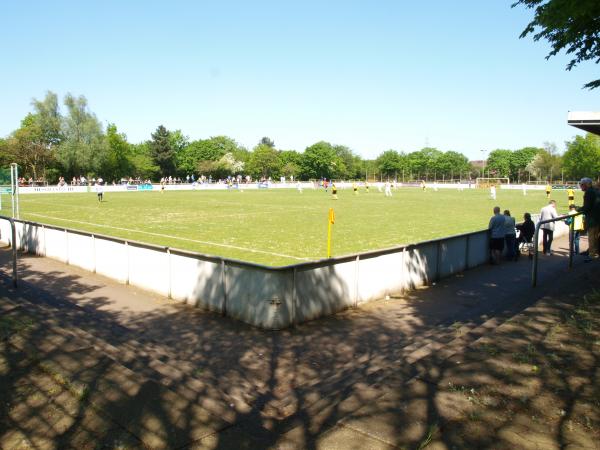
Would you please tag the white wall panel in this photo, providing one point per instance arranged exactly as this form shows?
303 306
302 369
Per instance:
325 290
149 269
197 282
111 259
56 244
81 251
259 297
380 276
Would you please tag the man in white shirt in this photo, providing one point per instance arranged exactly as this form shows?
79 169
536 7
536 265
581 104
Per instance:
548 212
388 189
100 189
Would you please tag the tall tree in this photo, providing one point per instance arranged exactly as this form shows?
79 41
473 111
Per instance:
582 158
83 149
48 118
350 164
267 141
453 164
547 163
424 163
33 145
118 161
498 163
142 162
264 162
573 26
27 147
520 159
388 163
225 166
4 153
320 161
199 156
162 151
290 163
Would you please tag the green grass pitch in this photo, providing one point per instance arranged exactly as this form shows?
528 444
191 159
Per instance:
280 226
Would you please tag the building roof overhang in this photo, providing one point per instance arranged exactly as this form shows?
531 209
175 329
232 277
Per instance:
585 120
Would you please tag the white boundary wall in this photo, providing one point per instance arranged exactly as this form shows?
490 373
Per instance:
251 186
266 297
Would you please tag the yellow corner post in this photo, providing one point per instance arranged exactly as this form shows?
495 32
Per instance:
330 222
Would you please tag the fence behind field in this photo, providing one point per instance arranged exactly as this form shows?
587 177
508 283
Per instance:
266 297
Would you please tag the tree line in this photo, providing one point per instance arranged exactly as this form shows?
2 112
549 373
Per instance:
51 143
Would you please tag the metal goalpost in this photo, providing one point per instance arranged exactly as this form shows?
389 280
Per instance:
12 190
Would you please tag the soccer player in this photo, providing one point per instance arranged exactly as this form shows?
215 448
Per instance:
99 189
423 185
571 196
524 187
355 188
493 192
334 191
548 190
367 186
388 189
299 186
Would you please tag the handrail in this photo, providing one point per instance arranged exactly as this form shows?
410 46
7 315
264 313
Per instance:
534 266
13 244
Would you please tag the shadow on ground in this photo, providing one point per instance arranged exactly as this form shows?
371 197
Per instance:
465 365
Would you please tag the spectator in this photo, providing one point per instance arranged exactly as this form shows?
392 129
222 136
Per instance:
577 222
591 209
526 232
510 236
497 233
548 212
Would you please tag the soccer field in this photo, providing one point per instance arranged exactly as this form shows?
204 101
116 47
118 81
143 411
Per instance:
280 226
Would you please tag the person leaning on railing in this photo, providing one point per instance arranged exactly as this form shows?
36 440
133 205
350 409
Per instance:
510 236
496 229
577 223
591 209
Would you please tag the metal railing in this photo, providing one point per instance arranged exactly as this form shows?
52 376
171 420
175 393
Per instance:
534 266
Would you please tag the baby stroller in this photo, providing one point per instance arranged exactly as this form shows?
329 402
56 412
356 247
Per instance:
524 244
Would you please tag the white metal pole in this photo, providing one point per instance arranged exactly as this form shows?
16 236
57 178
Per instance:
12 189
16 189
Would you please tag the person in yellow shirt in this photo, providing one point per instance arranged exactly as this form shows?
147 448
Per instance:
548 190
355 188
577 222
571 196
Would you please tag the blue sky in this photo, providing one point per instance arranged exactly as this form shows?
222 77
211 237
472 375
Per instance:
370 75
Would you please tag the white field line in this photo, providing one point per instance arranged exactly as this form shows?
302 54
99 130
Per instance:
216 244
209 203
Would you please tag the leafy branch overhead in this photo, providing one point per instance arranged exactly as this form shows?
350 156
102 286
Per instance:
569 25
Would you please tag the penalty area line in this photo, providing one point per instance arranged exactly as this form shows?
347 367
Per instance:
215 244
